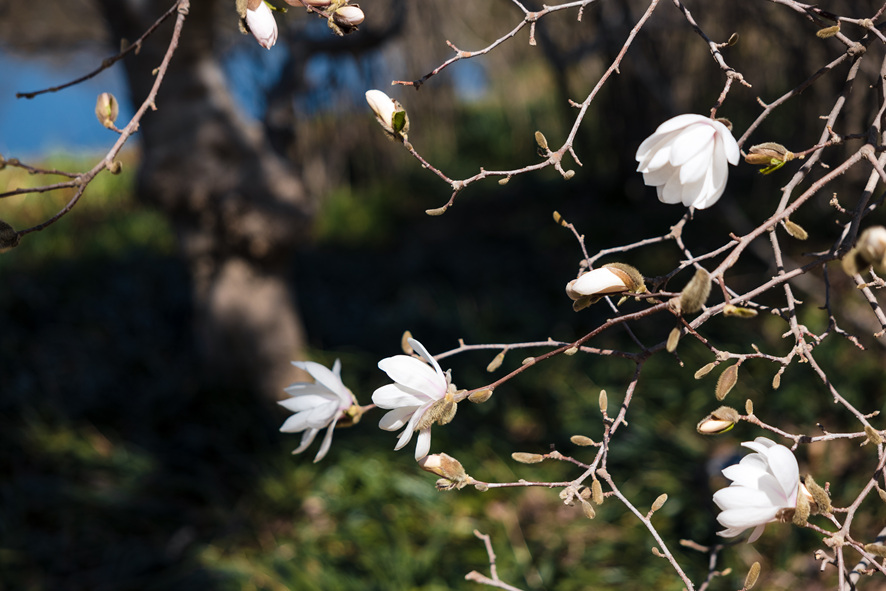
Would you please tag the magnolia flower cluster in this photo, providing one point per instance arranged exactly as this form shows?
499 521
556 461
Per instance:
764 485
420 396
686 160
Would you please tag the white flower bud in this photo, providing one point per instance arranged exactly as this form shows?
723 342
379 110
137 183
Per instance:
383 107
262 25
348 16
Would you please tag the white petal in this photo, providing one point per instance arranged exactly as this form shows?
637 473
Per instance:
673 190
758 531
659 176
690 142
301 402
726 143
747 517
696 167
306 439
423 444
395 419
405 437
654 152
394 396
416 346
681 121
740 497
414 375
327 441
784 467
295 423
324 376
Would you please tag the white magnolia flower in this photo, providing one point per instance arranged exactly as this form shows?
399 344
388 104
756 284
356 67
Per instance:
685 160
316 404
262 25
763 484
417 387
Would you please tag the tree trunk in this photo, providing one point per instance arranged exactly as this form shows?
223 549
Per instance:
239 210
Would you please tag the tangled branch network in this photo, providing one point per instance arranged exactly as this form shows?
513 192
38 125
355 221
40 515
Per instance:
688 158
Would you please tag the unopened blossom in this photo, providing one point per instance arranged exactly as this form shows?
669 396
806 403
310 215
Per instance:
599 282
383 106
316 405
764 484
262 25
686 160
419 387
348 16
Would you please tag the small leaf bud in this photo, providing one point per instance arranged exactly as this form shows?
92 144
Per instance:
541 140
828 31
873 435
876 550
801 514
496 362
776 381
705 370
749 406
733 39
481 486
821 500
480 396
659 503
581 440
115 167
568 174
106 109
727 381
527 458
696 292
528 361
739 312
752 577
673 340
597 492
604 401
504 180
559 218
437 211
796 230
570 351
588 509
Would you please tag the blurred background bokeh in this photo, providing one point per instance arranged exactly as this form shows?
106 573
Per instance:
261 216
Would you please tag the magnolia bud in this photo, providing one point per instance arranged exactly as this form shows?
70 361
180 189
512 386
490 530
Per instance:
872 247
389 113
581 440
727 381
348 17
106 109
260 22
720 421
609 279
696 292
443 465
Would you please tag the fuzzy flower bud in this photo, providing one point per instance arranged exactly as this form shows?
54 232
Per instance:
106 109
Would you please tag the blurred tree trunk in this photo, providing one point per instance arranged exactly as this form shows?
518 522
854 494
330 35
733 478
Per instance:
238 209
